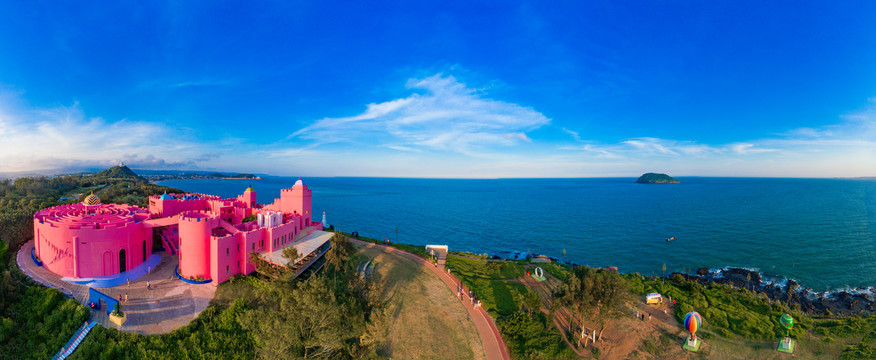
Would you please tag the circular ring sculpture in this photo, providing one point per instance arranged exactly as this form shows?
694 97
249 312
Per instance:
539 272
692 322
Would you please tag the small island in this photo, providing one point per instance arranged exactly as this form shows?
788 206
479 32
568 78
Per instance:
654 178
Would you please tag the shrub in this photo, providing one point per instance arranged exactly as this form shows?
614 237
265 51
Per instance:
118 310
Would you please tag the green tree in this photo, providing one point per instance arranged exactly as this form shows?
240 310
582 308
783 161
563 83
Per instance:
663 279
291 254
338 257
532 301
589 291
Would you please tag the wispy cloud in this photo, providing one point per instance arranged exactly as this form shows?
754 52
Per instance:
170 83
443 128
64 137
746 148
574 134
446 116
846 148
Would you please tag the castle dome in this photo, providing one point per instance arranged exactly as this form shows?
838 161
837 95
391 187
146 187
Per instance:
165 196
249 189
91 200
299 182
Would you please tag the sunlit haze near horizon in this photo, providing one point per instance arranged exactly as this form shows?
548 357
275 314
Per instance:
441 90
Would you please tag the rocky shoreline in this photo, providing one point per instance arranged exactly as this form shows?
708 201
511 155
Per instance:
841 302
861 301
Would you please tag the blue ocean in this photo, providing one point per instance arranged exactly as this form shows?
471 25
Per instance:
819 232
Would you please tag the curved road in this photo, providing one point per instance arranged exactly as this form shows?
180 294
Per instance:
494 347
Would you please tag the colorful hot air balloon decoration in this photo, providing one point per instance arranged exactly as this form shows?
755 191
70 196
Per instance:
692 322
788 323
786 345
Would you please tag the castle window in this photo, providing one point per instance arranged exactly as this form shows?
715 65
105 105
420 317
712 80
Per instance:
227 251
227 269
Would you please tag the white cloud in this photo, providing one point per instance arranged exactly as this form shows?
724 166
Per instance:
651 145
448 116
745 149
574 134
64 138
847 148
444 128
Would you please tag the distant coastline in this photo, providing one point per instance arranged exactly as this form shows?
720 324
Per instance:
193 176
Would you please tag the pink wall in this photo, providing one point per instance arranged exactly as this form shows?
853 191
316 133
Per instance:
195 231
225 253
248 240
297 200
248 198
168 208
279 236
70 242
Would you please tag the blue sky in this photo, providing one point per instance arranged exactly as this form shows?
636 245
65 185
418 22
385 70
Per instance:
416 89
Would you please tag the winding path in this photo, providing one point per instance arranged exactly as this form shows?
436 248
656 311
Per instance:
494 346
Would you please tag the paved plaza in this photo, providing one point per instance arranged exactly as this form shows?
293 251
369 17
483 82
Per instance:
170 304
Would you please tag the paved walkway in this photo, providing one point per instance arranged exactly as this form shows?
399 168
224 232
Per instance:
494 347
170 304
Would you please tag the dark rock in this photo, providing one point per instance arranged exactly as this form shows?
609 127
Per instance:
839 303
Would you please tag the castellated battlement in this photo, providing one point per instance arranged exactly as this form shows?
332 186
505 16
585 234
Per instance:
248 228
197 216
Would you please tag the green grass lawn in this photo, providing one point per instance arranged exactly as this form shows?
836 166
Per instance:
495 270
486 279
558 271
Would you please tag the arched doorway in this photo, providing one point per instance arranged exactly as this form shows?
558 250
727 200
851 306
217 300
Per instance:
144 250
122 262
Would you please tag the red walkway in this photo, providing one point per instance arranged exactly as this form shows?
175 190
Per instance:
494 347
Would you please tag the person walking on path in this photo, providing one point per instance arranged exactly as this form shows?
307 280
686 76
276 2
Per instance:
126 297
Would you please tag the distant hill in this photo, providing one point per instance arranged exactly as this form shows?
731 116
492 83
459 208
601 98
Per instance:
118 172
654 178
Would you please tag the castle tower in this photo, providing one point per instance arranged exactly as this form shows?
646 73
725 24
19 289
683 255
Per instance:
195 230
297 200
249 197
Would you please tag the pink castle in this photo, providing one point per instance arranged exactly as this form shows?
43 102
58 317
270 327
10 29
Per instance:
207 233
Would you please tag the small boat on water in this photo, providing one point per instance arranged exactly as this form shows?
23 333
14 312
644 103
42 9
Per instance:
670 239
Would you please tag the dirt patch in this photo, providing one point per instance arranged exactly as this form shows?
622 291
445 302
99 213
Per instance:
428 321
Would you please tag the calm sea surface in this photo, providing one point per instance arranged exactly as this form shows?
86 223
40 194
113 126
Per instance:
817 231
